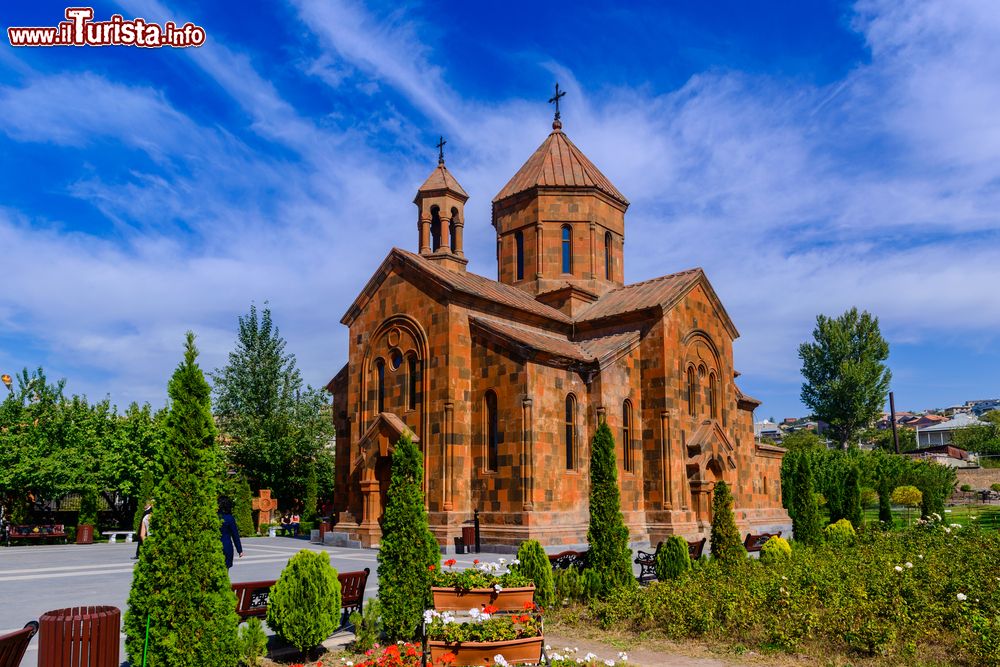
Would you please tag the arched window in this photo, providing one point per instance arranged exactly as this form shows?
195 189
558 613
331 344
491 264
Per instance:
607 256
492 431
567 249
435 228
411 381
570 434
380 384
627 434
692 391
519 243
713 396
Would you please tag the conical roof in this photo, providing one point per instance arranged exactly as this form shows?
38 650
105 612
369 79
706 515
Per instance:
441 179
558 163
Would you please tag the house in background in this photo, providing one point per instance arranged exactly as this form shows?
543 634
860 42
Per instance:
942 433
948 455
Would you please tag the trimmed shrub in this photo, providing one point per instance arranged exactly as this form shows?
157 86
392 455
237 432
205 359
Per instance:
180 582
367 626
243 508
535 564
304 605
568 584
995 487
252 643
804 510
965 488
776 550
908 496
840 532
610 557
408 551
727 547
673 558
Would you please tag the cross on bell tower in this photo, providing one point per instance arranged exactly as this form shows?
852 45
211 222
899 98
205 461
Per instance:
441 220
556 122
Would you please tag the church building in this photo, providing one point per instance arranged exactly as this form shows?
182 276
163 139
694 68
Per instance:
502 383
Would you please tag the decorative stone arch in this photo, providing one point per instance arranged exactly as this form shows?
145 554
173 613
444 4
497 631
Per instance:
710 458
402 333
702 354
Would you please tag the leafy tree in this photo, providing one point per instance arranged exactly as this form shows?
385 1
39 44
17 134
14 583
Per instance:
727 547
181 584
673 558
408 551
881 438
846 379
908 496
802 440
304 605
979 438
610 556
276 429
535 564
804 509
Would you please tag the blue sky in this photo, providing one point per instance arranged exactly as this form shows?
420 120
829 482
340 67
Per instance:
810 156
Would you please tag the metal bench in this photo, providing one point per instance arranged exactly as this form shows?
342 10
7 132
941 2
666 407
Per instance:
647 561
113 535
36 532
14 644
567 559
252 596
754 543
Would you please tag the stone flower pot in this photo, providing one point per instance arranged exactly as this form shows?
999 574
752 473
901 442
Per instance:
457 599
515 651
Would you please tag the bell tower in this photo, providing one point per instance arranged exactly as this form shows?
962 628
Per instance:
560 226
441 216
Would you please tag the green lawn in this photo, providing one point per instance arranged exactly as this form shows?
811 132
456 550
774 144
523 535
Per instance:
986 516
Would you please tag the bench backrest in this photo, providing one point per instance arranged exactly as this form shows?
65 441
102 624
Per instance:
352 586
696 548
43 530
252 598
14 644
567 559
754 543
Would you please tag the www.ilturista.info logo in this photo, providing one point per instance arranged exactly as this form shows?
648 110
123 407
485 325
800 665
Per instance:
79 29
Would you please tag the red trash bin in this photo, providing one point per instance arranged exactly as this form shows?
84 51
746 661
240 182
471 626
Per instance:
85 534
79 637
469 538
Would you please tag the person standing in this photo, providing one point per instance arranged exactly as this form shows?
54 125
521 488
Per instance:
230 533
143 528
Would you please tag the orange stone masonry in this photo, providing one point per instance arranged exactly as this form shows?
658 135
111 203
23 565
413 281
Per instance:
502 383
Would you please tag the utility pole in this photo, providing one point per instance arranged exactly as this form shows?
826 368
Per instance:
892 420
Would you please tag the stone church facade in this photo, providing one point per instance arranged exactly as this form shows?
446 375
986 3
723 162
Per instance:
503 382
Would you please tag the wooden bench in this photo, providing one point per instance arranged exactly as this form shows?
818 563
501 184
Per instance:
567 559
252 596
754 543
36 532
647 561
115 533
14 644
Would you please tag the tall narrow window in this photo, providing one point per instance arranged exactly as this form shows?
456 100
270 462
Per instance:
519 242
713 396
411 381
627 434
567 250
692 391
380 384
570 433
435 228
492 432
607 256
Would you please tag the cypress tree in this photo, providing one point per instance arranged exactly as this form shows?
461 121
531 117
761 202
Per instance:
408 550
145 495
610 556
727 547
805 517
180 583
312 495
535 564
243 508
852 495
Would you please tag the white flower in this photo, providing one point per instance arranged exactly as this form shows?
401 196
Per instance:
515 562
908 564
920 556
498 659
783 578
623 656
548 647
962 597
349 663
497 587
898 569
502 561
609 663
590 656
947 529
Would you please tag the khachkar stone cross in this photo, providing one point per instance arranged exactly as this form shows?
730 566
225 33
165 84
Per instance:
265 504
555 100
440 146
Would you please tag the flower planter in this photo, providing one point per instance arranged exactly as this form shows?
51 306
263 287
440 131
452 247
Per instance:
528 650
457 599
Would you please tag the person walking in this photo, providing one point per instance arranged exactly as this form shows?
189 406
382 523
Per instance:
143 527
230 533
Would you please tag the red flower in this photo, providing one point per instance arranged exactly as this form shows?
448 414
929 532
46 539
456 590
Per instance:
448 658
475 562
529 605
490 609
450 562
430 568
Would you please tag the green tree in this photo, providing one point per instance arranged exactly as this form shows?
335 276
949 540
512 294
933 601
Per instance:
803 440
846 379
881 438
672 559
727 547
309 512
276 429
852 494
804 509
181 584
304 605
907 496
243 508
979 438
535 564
408 550
610 556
